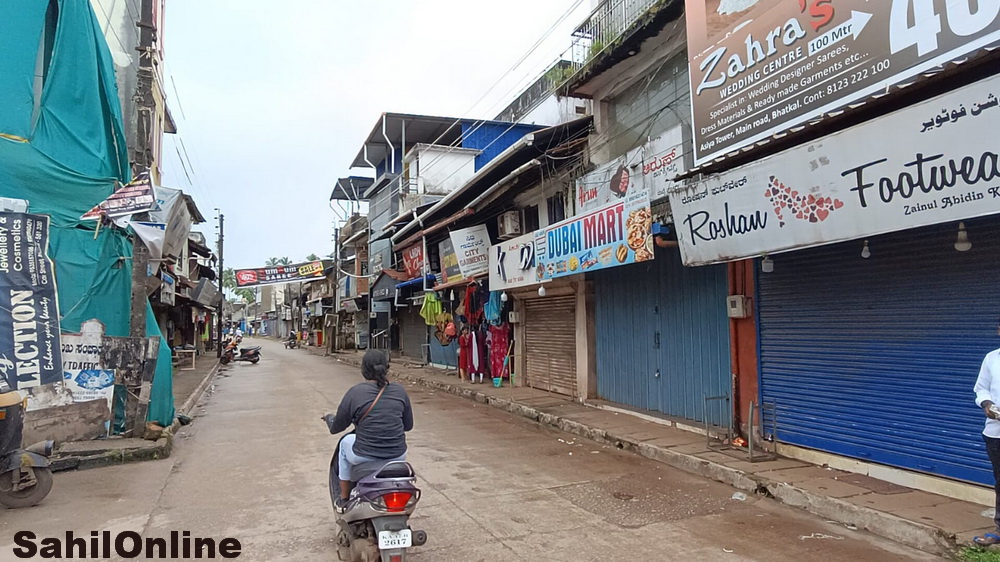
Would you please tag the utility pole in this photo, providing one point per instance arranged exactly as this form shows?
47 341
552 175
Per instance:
222 304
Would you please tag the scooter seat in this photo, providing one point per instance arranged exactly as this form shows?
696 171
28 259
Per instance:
248 349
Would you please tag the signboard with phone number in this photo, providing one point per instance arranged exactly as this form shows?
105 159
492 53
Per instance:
762 67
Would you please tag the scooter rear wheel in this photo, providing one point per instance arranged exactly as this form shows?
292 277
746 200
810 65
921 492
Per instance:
28 496
255 360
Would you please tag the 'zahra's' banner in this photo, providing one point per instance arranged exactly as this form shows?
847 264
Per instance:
29 315
859 182
274 274
759 67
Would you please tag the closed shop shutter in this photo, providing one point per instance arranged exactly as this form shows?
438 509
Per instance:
550 343
876 358
413 332
663 337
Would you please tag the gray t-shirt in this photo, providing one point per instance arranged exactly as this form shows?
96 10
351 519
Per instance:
381 434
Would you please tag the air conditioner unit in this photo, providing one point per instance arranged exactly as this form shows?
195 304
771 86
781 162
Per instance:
509 225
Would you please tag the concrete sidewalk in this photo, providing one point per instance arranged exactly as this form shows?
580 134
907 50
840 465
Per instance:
929 522
188 387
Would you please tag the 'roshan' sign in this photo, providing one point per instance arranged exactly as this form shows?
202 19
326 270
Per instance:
859 182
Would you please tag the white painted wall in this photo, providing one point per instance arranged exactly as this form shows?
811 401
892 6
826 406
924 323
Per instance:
441 169
555 110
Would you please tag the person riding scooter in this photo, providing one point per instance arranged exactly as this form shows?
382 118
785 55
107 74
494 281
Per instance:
381 414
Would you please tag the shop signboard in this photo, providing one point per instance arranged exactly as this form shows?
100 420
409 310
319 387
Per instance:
859 182
449 262
472 246
274 274
133 197
759 67
413 260
512 263
616 234
651 166
168 289
380 306
29 313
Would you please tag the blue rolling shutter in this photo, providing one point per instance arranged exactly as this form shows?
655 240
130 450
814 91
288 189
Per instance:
662 316
876 359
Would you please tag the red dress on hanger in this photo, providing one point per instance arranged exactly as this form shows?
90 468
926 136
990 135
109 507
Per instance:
464 351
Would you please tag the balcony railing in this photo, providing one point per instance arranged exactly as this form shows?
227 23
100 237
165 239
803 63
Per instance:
605 25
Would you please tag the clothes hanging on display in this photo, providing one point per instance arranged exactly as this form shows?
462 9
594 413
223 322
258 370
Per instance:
493 311
472 305
499 344
477 359
431 309
464 351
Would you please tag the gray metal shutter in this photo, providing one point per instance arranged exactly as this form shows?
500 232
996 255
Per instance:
550 343
412 332
876 359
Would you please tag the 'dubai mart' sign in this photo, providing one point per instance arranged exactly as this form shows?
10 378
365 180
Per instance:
934 162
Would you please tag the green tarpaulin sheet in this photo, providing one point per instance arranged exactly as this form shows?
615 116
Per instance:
62 148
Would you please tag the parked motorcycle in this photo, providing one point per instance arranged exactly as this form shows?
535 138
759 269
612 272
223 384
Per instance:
25 474
229 355
374 525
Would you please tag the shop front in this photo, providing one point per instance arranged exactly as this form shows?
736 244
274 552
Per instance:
550 318
877 284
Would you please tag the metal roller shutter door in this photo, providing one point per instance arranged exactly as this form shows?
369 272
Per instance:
550 343
663 318
412 332
876 359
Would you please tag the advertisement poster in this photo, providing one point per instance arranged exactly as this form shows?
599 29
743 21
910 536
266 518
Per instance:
271 275
472 246
859 182
617 234
512 263
650 167
759 67
413 260
29 313
133 197
449 262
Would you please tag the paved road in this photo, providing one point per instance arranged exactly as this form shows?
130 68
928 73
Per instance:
496 487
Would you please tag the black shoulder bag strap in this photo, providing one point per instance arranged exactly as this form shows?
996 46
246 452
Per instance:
369 410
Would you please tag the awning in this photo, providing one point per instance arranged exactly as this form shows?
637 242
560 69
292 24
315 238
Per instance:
417 281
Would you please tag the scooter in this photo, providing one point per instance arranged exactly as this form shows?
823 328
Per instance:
374 525
292 342
251 354
25 474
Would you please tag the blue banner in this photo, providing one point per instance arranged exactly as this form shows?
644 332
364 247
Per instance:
29 314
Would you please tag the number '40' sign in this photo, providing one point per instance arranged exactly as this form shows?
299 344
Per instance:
917 23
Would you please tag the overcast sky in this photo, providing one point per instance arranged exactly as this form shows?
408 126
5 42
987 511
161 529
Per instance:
273 99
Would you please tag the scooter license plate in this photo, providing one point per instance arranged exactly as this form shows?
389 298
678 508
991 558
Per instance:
395 539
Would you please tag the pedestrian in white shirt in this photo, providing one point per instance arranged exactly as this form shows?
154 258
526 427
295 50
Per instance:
987 392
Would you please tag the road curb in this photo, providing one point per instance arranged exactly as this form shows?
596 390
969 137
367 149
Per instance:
117 456
195 396
911 533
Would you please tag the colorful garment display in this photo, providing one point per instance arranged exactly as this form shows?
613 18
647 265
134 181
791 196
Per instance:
499 344
431 309
477 355
493 311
